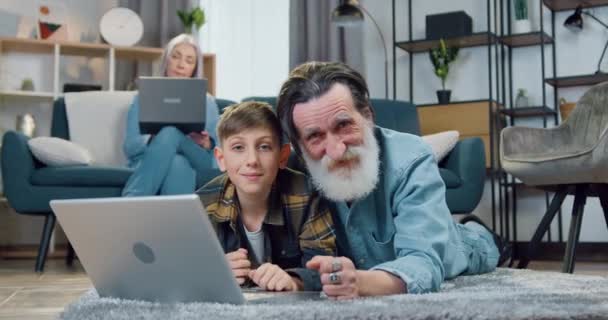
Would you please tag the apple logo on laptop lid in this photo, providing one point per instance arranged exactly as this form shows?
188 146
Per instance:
143 253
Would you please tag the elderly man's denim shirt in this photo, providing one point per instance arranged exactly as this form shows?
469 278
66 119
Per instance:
404 226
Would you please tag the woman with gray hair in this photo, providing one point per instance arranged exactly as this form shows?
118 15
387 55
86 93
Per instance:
170 161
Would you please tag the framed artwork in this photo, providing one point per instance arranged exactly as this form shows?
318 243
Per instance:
52 21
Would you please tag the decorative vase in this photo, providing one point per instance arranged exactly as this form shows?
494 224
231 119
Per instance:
26 124
443 96
522 99
195 33
521 26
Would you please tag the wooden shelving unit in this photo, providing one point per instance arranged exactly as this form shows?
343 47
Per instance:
32 94
526 39
525 112
91 50
474 40
469 118
574 81
562 5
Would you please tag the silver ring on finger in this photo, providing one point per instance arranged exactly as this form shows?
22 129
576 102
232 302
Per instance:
336 265
334 278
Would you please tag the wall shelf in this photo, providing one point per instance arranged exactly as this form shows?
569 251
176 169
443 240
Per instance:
526 39
574 81
91 50
32 94
562 5
474 40
525 112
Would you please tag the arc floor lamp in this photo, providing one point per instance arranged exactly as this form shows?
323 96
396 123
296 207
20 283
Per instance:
350 13
575 22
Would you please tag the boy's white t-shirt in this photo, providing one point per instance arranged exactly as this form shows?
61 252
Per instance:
256 240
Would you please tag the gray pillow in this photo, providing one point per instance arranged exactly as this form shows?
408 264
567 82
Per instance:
442 143
56 152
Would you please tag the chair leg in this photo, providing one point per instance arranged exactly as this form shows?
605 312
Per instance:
47 231
69 259
544 225
602 191
575 228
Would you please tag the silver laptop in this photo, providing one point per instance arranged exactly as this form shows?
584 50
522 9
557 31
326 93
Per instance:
178 102
160 249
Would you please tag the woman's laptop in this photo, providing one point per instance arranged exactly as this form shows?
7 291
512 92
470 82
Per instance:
161 249
178 102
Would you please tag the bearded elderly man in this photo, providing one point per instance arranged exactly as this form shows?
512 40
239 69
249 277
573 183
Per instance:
395 233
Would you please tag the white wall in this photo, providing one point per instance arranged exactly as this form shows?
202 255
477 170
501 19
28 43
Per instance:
577 53
251 43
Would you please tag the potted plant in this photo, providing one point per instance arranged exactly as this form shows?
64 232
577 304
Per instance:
521 101
522 22
192 20
441 58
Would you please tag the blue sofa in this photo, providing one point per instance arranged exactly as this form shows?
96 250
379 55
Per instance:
29 186
463 170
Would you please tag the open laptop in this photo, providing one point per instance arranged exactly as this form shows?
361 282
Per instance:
160 249
178 102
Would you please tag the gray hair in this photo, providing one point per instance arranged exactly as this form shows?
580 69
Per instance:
313 79
188 39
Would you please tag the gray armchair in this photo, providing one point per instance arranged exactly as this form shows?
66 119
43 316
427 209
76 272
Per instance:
569 159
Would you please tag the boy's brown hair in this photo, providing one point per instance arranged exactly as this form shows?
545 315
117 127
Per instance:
248 115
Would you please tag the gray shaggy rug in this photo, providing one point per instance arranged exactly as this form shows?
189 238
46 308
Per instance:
503 294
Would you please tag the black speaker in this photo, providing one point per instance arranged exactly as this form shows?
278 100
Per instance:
78 87
448 25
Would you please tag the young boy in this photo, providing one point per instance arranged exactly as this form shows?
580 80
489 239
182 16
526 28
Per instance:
263 213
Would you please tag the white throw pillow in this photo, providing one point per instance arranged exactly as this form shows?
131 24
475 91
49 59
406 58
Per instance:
56 152
442 143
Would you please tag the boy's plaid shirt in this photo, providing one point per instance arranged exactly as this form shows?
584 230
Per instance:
290 193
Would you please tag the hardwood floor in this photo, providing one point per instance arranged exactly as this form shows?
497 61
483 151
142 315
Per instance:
27 295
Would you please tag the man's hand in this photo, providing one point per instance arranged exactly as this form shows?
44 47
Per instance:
338 276
272 278
201 138
239 264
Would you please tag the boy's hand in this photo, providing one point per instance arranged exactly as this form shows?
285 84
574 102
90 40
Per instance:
201 138
239 264
272 278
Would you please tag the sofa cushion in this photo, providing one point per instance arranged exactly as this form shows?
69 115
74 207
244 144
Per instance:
442 143
56 152
450 178
81 176
97 121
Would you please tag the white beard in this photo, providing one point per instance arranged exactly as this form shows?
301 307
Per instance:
348 184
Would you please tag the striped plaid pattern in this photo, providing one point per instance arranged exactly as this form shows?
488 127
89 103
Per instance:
290 193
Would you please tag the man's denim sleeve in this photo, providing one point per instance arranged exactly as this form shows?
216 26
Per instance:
421 218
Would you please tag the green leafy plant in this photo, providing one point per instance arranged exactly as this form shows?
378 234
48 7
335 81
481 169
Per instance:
195 17
521 9
441 58
27 84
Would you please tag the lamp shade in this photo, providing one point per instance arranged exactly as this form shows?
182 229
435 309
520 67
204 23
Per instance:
347 14
575 21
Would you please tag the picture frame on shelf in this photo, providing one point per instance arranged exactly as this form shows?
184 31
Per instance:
52 21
